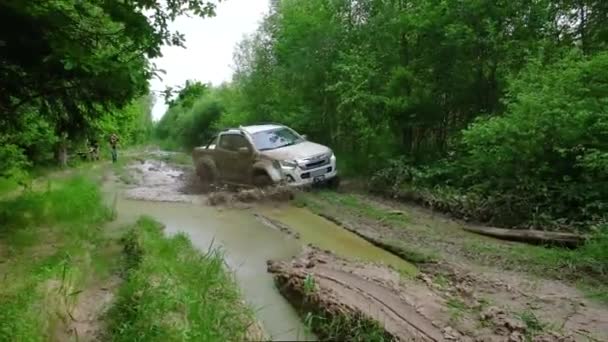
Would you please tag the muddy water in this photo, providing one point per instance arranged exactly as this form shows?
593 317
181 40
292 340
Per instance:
247 245
246 241
325 234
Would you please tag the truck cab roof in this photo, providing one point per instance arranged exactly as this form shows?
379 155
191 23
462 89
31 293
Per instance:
259 128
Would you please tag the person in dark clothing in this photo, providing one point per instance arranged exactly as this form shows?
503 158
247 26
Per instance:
114 144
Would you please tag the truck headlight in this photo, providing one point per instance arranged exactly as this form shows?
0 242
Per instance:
288 164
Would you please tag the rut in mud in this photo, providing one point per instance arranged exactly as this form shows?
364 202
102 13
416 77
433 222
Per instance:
361 293
478 289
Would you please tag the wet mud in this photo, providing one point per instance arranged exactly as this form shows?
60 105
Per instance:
363 277
512 305
154 180
360 292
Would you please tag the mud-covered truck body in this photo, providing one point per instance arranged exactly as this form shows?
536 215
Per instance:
262 155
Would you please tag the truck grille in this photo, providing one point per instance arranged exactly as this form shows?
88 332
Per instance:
316 163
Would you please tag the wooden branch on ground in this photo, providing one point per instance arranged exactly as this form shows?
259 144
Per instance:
530 236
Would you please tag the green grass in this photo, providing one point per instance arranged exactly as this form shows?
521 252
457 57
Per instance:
172 292
410 252
345 328
457 308
7 185
366 208
49 241
587 265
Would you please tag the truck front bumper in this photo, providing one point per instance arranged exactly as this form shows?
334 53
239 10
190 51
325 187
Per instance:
301 177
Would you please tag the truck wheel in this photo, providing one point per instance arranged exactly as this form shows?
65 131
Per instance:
262 180
205 176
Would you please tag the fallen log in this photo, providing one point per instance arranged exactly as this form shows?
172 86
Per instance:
538 237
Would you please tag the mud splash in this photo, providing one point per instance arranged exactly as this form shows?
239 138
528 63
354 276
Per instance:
256 195
158 181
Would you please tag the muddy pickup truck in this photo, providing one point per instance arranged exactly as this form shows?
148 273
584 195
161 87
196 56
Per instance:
263 155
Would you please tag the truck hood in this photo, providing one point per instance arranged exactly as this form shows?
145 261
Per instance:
303 150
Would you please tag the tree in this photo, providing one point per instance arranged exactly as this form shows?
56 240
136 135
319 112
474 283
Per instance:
75 60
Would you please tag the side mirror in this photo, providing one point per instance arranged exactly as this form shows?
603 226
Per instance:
244 150
304 136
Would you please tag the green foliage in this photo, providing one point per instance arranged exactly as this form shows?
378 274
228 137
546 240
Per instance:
72 70
192 118
77 201
174 293
309 285
549 150
49 240
541 163
345 328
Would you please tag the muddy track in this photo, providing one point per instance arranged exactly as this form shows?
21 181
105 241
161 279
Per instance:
360 292
399 319
516 306
453 299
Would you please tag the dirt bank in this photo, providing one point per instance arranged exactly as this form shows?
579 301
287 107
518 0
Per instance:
319 282
477 276
373 299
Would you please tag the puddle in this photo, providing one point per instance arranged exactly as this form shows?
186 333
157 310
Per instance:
247 242
247 245
322 233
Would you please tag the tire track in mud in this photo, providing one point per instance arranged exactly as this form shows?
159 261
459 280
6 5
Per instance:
360 292
415 327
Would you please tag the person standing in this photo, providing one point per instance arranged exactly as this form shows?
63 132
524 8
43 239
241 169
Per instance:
113 144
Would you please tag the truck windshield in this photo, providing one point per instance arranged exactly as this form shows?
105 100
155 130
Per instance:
276 138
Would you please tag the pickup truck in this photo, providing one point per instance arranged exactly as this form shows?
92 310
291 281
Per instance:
262 155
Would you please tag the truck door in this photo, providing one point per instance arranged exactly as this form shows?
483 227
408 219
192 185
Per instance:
234 158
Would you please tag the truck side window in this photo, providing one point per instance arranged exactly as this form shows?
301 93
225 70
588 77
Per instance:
226 142
212 142
232 142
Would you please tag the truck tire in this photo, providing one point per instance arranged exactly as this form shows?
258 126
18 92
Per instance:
262 180
205 177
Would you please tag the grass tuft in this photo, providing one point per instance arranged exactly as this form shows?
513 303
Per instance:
173 292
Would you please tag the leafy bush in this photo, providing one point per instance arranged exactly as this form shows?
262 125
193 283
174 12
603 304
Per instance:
542 163
549 152
191 120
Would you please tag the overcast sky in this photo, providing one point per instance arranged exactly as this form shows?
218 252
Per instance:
210 43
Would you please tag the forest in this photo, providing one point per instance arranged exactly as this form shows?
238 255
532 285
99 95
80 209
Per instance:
77 71
449 119
491 110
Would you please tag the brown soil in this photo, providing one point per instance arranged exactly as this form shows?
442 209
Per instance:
480 292
154 180
85 319
367 292
239 196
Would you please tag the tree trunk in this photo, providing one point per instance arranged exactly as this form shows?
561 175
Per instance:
62 152
530 236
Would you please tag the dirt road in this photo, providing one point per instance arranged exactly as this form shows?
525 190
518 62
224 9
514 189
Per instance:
450 295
